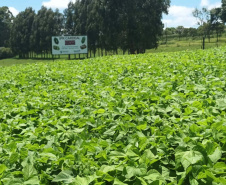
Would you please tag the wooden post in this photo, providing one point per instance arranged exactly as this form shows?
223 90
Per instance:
203 43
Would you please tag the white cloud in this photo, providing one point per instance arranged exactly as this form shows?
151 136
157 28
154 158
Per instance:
206 3
180 16
61 4
14 11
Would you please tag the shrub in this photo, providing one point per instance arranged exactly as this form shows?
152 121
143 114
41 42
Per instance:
5 53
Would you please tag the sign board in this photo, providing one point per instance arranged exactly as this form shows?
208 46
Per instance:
64 45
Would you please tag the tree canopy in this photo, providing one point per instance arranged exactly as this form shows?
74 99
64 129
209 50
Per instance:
129 25
132 25
6 18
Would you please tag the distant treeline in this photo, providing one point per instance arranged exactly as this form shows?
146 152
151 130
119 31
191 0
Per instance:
181 32
129 25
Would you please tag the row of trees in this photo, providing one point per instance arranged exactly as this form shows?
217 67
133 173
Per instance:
133 25
31 33
130 25
180 32
28 32
193 33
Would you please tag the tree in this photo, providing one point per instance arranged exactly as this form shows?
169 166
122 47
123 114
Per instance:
223 11
179 31
6 19
192 32
203 20
202 16
144 23
205 30
215 20
47 23
21 32
169 32
133 25
94 24
69 28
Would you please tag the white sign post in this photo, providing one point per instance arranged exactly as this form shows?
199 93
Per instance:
66 45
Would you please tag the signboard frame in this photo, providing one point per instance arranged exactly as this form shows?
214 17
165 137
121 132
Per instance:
67 45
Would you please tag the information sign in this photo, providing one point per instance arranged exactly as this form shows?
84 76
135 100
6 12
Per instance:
65 45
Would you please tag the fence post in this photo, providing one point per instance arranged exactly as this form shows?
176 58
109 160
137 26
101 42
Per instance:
203 43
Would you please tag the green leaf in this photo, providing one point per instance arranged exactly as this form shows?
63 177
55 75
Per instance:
194 128
165 172
78 130
118 182
107 169
182 178
29 171
193 182
147 157
220 165
142 127
2 168
33 180
134 171
13 158
191 157
212 176
108 178
142 181
110 131
64 177
84 180
221 103
153 175
100 111
216 155
12 181
79 180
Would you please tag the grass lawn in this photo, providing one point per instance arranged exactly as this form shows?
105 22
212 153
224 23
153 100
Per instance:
174 45
13 61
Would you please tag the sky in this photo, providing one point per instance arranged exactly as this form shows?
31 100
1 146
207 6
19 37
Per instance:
180 11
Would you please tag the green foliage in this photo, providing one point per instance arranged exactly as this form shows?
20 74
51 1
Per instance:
6 53
21 32
46 24
6 18
133 25
32 32
141 119
223 13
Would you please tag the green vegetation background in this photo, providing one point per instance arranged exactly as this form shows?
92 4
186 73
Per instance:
117 120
